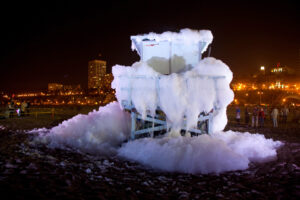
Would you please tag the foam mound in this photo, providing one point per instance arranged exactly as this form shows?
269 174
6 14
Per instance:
216 153
99 132
104 131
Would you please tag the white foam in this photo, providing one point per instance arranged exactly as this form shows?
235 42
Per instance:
99 132
102 133
220 152
186 35
179 95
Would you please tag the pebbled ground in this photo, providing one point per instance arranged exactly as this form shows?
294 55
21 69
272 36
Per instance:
37 172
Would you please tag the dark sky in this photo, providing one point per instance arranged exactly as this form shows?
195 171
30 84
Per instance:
53 42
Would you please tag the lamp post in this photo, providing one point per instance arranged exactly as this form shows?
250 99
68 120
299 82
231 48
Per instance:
262 69
260 93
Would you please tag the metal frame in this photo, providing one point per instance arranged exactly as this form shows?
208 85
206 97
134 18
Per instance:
150 124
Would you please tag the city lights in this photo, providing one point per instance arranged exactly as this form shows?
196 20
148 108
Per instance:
265 86
269 86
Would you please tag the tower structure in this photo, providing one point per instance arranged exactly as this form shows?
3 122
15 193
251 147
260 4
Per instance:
96 73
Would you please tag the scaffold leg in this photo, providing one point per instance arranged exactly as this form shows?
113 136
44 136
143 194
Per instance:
133 125
210 121
152 131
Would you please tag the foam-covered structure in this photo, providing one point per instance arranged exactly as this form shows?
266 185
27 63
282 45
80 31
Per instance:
190 98
172 89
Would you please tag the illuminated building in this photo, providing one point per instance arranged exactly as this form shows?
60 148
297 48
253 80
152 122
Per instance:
281 70
55 87
276 78
96 73
72 87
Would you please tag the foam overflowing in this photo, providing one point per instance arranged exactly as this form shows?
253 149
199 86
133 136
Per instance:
186 35
184 95
99 132
216 153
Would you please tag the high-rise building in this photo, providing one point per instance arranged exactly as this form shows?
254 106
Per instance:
96 73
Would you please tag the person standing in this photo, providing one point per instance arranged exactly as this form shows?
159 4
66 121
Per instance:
280 115
27 108
261 117
11 109
266 111
255 117
238 115
274 116
285 112
247 116
23 108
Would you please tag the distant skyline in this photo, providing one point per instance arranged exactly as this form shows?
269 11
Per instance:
53 42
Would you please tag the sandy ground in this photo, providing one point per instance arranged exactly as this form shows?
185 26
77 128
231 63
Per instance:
28 171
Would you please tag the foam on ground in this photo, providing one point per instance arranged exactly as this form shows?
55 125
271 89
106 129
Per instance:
99 132
216 153
103 132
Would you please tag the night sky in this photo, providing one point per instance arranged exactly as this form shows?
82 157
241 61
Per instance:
42 43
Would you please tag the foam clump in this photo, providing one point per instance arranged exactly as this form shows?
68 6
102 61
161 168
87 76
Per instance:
179 95
99 132
216 153
186 35
253 146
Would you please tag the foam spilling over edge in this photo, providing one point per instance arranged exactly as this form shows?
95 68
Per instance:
180 95
186 35
99 132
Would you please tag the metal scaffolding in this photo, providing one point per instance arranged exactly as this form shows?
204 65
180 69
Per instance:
156 125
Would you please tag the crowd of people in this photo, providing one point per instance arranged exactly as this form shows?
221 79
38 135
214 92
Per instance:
21 110
256 116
